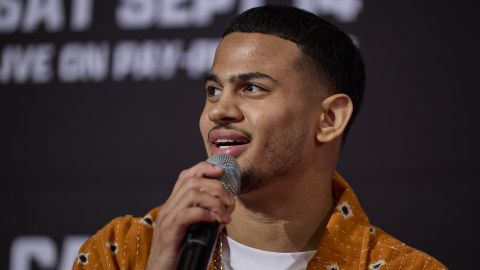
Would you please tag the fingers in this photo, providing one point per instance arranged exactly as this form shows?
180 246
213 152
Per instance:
192 215
215 205
201 170
168 235
195 198
212 187
200 178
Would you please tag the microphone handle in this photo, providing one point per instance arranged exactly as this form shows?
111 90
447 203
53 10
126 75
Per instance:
198 246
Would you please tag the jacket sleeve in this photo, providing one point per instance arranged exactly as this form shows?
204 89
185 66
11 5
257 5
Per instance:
416 260
124 243
390 253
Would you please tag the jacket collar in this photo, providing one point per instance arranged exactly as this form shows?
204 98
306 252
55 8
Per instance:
345 242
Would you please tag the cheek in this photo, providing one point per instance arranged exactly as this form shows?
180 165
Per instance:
272 119
285 123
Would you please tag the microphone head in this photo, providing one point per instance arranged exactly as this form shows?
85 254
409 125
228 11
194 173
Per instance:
231 174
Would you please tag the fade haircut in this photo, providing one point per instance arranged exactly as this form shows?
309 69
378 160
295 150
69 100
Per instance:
329 52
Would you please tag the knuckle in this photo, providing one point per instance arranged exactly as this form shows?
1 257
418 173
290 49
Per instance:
191 193
192 215
219 189
194 183
183 174
180 216
218 184
218 206
190 182
200 170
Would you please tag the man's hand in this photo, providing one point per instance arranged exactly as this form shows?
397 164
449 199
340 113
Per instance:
195 198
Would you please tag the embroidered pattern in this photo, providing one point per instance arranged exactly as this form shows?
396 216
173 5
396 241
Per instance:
82 258
345 209
333 267
376 265
148 221
112 246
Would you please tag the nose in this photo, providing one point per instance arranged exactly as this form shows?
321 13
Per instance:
226 110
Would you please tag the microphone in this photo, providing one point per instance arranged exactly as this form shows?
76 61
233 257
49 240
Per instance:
198 243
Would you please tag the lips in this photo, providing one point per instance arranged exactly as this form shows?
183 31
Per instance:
228 141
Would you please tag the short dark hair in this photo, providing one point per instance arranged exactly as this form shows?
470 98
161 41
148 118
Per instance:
340 63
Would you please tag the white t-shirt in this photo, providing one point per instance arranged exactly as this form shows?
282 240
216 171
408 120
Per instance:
236 256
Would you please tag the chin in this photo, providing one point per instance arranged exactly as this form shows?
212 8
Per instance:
253 180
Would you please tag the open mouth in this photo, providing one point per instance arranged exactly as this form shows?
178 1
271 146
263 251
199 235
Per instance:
227 143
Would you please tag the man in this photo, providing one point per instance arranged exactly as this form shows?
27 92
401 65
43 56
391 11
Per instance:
283 90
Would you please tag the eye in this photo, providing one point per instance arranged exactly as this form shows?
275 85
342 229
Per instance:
252 88
212 91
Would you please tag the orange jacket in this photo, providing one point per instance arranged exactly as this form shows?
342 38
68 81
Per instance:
349 242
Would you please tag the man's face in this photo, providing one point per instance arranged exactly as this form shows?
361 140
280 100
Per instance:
260 107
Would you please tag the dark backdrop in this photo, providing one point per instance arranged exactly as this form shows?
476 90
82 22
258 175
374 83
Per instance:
78 150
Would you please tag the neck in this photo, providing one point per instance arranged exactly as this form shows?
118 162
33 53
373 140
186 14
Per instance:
287 215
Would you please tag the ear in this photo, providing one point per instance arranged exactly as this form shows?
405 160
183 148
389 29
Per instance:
336 112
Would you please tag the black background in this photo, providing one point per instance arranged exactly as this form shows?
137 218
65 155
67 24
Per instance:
74 156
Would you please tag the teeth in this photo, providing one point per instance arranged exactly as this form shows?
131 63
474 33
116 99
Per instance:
224 140
227 143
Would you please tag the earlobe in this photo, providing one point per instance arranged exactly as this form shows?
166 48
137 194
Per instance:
336 113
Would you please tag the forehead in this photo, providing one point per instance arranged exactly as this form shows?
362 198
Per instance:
255 52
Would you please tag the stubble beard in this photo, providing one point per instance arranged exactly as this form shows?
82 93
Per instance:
281 155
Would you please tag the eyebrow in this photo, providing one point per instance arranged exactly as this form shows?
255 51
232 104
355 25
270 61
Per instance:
242 77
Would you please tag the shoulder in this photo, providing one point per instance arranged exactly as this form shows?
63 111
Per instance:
387 250
123 243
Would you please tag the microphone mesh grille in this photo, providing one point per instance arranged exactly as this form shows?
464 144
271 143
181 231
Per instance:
231 175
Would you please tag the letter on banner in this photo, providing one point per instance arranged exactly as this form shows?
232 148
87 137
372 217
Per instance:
204 10
135 14
10 15
81 17
147 60
30 63
48 12
71 245
199 57
342 10
26 249
173 13
83 62
248 4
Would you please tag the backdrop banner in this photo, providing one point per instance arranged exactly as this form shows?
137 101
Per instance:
100 101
